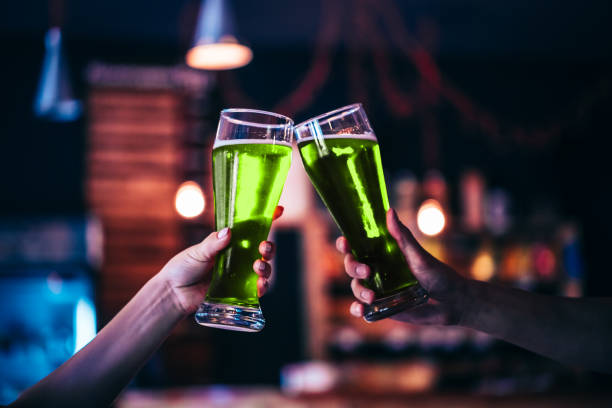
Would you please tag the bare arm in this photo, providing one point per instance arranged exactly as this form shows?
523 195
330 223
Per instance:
576 332
96 374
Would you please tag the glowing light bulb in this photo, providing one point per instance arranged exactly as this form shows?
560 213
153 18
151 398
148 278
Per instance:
430 218
189 201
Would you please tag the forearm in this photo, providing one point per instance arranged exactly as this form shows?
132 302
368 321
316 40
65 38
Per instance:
96 374
574 331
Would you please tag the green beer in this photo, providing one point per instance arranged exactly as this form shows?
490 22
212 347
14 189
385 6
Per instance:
248 178
347 173
251 158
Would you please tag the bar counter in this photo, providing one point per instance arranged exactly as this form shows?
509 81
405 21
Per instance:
269 397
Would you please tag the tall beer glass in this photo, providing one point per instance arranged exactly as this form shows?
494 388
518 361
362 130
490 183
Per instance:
342 158
251 159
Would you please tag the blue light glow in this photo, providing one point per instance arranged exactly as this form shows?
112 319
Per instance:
84 323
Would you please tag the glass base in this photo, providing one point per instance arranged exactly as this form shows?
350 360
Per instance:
228 317
381 308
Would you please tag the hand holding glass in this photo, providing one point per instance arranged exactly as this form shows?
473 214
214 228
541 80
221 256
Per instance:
341 156
251 159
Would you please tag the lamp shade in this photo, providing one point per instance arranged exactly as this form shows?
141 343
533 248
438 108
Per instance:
54 99
215 46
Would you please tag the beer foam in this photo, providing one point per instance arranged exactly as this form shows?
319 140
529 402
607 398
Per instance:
364 136
220 143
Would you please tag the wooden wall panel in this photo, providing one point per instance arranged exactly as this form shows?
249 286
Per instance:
134 169
146 135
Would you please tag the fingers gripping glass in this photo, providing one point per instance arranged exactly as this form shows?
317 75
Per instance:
341 156
251 158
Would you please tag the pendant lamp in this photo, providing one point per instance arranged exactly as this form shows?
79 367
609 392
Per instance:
54 98
215 46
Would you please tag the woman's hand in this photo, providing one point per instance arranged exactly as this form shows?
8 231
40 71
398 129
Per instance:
188 273
446 288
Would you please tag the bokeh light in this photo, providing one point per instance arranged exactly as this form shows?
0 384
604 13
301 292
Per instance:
483 267
189 201
430 218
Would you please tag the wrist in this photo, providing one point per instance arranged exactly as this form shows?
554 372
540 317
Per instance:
471 293
164 289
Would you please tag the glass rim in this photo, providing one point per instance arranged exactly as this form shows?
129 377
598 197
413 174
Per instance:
346 110
225 115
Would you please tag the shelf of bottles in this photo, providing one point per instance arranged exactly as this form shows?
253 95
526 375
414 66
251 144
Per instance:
481 239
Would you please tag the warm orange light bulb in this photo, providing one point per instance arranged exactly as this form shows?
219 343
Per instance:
430 218
189 200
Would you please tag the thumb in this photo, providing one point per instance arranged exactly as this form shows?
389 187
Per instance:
206 250
415 255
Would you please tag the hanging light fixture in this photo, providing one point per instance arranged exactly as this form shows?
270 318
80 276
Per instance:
54 98
215 46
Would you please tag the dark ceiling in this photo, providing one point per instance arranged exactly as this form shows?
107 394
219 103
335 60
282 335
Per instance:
580 28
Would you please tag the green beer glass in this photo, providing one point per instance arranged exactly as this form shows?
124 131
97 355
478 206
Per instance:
341 156
251 159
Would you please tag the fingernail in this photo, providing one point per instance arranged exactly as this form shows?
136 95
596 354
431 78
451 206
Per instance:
223 233
361 271
267 247
366 295
261 265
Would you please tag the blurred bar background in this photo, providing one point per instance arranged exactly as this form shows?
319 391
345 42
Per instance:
492 120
